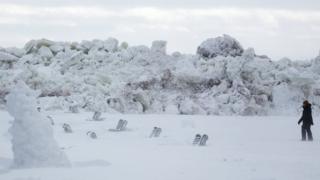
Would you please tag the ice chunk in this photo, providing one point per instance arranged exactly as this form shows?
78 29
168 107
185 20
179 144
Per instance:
159 46
6 57
111 44
55 48
220 46
45 52
15 51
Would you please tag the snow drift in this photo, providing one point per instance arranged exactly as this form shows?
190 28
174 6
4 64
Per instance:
223 78
33 144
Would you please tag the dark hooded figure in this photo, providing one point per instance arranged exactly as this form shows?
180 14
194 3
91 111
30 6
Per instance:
307 121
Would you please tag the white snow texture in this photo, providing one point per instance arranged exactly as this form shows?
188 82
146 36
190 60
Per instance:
33 144
101 75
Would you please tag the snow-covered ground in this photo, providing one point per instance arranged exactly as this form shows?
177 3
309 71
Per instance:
242 148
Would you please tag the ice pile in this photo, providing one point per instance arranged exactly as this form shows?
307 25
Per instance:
223 78
33 144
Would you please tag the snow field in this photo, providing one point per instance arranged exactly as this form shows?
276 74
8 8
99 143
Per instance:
259 148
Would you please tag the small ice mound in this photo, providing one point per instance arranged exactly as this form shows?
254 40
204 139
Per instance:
92 135
121 126
200 140
196 139
203 140
67 128
155 132
220 46
97 116
33 143
51 120
74 109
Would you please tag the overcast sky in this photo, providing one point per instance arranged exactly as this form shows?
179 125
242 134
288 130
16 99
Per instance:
286 28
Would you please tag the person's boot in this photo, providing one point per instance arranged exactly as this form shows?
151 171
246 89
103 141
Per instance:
309 133
303 134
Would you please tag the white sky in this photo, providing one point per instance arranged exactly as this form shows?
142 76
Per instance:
288 28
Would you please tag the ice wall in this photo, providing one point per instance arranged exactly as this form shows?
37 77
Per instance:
222 78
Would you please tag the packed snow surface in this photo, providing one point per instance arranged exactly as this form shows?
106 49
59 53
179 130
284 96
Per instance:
222 78
242 148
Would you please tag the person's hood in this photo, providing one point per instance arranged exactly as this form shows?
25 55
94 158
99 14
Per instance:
307 106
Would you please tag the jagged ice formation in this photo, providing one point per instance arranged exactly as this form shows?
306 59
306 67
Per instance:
222 78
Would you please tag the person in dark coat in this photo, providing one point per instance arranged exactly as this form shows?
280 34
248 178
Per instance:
307 121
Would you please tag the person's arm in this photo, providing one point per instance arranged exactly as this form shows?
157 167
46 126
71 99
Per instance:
301 118
311 117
